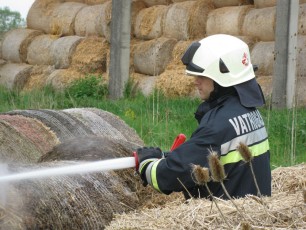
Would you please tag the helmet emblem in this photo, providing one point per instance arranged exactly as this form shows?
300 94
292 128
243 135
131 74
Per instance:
245 60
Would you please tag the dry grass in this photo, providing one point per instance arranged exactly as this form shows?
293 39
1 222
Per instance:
285 209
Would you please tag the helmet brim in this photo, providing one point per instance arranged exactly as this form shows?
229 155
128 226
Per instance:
250 94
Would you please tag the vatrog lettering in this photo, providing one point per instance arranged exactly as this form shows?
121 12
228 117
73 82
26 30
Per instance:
247 122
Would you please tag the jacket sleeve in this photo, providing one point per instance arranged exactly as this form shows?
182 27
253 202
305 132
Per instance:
173 173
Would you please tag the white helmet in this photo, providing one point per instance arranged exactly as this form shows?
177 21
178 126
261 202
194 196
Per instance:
223 58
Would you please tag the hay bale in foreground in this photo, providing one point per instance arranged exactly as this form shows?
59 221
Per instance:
96 123
14 76
284 210
151 57
116 122
15 146
86 201
227 20
63 49
62 124
15 44
187 20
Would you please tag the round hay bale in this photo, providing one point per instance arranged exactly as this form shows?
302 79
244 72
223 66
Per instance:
91 148
174 83
39 51
104 21
150 3
224 3
15 44
227 20
90 55
302 20
63 49
64 125
85 20
35 131
116 122
265 83
260 23
149 21
300 91
95 123
86 201
144 83
80 1
263 55
177 53
15 146
14 76
102 24
40 14
151 57
301 56
95 2
187 20
38 78
63 17
264 3
250 41
62 78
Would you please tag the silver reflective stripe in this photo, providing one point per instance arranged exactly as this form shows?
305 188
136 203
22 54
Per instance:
148 173
247 139
143 163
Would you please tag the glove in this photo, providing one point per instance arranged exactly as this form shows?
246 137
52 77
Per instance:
146 155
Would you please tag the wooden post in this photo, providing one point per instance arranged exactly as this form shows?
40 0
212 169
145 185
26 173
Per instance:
120 48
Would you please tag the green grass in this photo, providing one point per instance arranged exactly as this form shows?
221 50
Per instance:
158 119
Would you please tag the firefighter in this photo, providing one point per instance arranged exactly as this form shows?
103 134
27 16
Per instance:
225 79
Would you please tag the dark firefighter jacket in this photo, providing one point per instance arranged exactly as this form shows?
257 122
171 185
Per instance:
223 124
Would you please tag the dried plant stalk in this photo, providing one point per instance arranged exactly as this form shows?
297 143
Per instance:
201 176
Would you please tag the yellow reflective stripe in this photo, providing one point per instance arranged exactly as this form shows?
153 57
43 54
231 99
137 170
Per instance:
153 175
256 150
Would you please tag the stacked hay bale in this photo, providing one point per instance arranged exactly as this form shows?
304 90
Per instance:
73 37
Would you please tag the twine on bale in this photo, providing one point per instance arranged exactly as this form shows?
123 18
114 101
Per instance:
62 124
15 147
35 131
94 122
15 44
116 122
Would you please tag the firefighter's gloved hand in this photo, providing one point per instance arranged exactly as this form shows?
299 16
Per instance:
146 155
